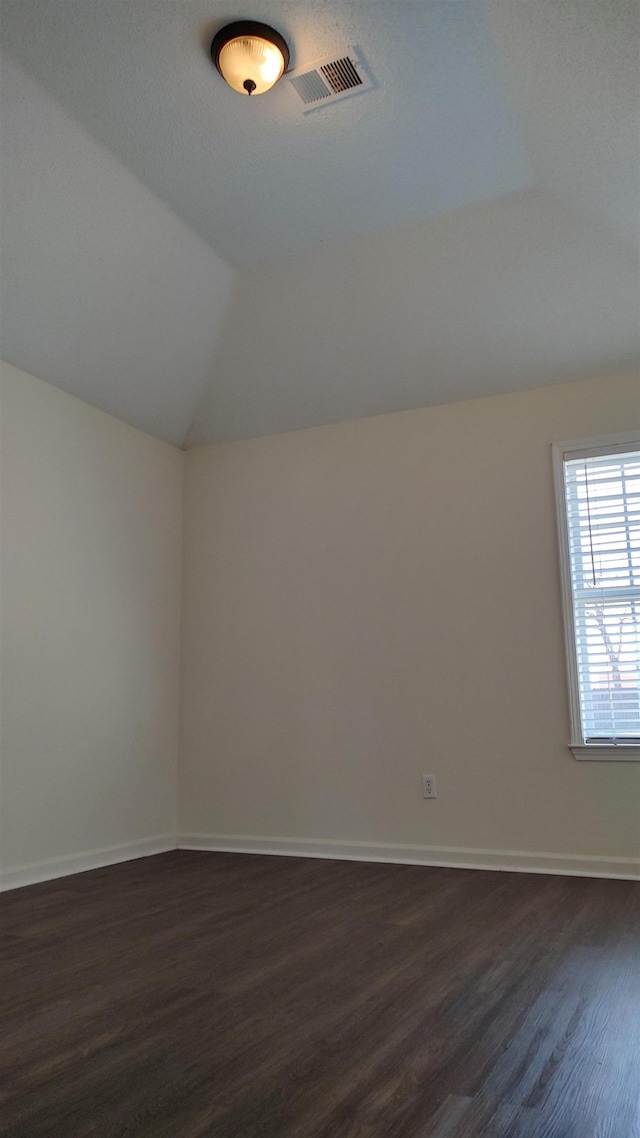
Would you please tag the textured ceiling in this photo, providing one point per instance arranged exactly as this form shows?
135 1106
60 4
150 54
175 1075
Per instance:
256 178
572 70
470 226
514 293
104 291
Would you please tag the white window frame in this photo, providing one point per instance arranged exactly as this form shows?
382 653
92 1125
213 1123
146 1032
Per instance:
561 452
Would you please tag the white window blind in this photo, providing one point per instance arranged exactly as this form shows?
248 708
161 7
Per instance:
602 500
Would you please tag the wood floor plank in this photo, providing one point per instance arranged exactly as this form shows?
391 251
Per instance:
482 1117
197 995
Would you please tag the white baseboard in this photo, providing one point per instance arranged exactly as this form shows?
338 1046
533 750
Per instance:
509 861
90 859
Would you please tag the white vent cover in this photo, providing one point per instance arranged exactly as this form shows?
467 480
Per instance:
327 80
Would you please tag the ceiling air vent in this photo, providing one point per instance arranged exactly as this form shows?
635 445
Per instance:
329 79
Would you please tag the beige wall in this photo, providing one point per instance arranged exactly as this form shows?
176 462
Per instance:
91 560
362 603
377 599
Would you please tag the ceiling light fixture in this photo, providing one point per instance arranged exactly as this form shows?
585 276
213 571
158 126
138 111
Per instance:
250 56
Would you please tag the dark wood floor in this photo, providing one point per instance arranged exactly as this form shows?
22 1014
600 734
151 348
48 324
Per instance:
240 996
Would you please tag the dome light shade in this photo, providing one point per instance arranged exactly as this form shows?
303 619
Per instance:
250 56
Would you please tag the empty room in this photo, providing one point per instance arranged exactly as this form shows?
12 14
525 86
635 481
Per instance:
320 569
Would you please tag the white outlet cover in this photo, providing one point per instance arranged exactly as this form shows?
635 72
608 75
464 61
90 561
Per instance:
429 788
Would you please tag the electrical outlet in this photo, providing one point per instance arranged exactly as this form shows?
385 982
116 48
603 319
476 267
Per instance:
429 786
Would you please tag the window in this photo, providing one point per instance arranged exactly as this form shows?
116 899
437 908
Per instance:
598 500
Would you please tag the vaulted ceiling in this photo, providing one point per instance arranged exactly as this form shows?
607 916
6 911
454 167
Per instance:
207 266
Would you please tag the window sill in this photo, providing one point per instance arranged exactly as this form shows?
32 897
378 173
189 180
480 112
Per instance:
607 752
